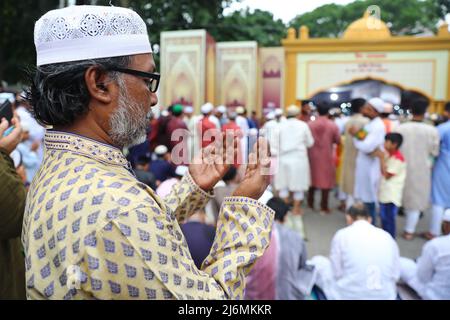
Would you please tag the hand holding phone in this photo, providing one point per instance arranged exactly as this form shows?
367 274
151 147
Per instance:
6 111
10 142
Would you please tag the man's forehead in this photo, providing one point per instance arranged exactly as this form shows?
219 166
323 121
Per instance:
143 62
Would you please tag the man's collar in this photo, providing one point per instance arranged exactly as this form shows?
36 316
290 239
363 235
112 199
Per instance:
95 150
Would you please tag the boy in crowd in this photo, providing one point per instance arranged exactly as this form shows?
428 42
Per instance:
393 169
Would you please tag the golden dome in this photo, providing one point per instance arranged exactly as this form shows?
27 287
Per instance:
367 28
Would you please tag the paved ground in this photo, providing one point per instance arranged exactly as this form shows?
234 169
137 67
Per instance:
321 229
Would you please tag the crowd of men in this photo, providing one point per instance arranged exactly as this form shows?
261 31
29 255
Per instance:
114 202
370 157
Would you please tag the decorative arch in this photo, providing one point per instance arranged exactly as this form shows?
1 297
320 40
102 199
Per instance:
182 70
234 84
388 82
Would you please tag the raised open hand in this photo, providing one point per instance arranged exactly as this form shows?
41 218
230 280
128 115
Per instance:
213 162
257 176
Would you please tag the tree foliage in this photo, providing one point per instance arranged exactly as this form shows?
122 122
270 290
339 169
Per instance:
258 25
407 17
442 7
404 17
17 20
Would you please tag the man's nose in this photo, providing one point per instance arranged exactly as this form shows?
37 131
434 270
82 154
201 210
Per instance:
153 99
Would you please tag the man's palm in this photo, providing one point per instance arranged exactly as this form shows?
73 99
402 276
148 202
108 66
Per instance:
213 162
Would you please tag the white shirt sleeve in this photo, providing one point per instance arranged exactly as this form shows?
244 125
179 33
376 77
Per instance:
396 262
370 143
336 257
425 268
309 138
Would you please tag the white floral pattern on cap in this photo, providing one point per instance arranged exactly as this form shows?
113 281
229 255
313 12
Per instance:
89 32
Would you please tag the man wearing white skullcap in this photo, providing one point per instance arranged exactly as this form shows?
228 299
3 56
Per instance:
367 171
215 117
207 108
429 276
292 177
241 121
221 114
91 229
208 127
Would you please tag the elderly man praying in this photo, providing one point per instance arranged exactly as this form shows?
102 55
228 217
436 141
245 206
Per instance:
91 229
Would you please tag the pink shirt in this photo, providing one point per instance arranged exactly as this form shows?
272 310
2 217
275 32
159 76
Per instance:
261 281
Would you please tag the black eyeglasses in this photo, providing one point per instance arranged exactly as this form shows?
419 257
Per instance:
151 79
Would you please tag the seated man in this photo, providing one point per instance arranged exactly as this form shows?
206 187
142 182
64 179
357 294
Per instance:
364 261
199 236
294 278
142 172
161 167
429 277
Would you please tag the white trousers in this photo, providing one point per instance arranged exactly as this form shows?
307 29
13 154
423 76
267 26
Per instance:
342 195
408 274
436 220
298 196
349 202
325 279
412 218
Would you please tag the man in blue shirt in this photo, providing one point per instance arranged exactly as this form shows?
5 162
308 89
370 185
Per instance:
440 188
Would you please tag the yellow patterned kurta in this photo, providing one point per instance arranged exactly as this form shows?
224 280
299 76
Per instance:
91 230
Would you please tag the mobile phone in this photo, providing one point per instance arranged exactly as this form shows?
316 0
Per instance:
6 111
8 131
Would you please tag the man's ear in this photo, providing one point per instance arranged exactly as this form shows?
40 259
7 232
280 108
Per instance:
99 88
348 219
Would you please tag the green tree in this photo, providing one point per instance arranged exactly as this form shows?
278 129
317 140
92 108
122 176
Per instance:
17 50
259 26
442 7
406 17
17 20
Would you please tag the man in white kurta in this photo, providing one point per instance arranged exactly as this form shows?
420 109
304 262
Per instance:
271 131
293 173
368 173
430 276
349 153
420 146
363 264
242 122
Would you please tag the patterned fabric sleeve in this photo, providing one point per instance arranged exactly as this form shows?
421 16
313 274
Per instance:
243 234
186 198
12 198
143 255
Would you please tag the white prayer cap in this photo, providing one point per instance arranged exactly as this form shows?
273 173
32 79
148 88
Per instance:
270 115
278 112
89 32
293 111
161 150
446 216
188 109
232 115
222 109
377 104
181 170
207 108
240 110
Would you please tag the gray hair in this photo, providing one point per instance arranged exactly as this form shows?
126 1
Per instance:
58 94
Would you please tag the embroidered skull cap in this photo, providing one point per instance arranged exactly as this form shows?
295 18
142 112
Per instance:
80 33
